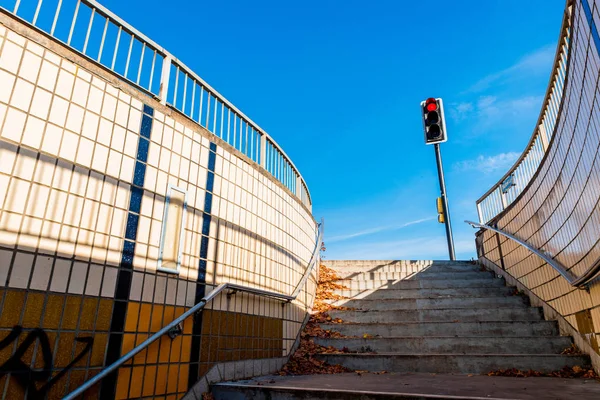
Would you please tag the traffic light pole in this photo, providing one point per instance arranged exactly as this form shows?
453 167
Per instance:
440 168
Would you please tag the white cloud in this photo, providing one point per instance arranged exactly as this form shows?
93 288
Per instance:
536 63
488 109
378 229
502 161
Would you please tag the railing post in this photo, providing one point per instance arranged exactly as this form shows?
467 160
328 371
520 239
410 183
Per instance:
543 136
163 91
263 151
479 213
298 187
503 200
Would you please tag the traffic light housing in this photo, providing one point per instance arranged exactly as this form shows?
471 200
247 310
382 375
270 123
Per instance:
434 123
440 210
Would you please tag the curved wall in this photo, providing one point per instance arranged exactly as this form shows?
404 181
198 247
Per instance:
559 212
117 214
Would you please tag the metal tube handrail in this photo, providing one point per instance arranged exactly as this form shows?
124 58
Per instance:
196 308
579 282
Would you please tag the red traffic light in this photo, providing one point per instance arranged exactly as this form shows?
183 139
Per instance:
431 104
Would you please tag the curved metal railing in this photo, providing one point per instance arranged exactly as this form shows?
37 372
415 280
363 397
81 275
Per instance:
580 282
198 308
102 37
512 184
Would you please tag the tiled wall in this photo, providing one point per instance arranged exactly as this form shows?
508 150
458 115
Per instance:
560 210
86 165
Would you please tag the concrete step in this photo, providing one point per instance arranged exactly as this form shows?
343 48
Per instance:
454 363
438 275
439 315
444 303
487 328
427 293
420 284
454 345
414 386
408 268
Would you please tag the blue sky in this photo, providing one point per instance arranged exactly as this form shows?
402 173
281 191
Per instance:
338 85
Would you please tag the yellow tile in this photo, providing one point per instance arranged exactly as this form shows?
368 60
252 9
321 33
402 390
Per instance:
123 383
183 377
98 350
149 380
173 379
54 309
157 318
71 314
144 317
104 315
128 342
65 348
11 309
131 321
161 379
88 314
33 310
135 389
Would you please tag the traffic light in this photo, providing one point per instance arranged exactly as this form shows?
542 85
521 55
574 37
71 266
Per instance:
440 210
433 121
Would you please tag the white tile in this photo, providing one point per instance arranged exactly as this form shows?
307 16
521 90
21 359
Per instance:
69 66
22 95
75 118
83 74
105 131
64 85
94 280
21 271
131 142
40 105
136 104
58 111
122 113
34 131
95 100
124 97
109 282
85 152
14 124
30 67
4 180
100 158
135 117
52 139
44 170
60 277
127 166
41 272
7 81
15 37
137 281
114 163
98 82
118 138
110 89
11 57
90 125
109 107
5 262
52 57
80 92
48 76
8 156
68 147
78 276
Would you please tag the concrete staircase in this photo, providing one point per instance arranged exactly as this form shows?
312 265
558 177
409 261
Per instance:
429 317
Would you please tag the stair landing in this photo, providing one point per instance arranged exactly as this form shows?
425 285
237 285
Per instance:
407 386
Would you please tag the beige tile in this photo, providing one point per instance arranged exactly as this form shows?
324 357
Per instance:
41 272
8 156
48 76
68 148
127 166
118 139
75 118
90 125
85 152
16 199
11 57
94 280
21 271
105 132
135 117
137 283
30 67
109 282
109 107
64 84
60 277
34 132
52 139
7 82
80 92
5 263
122 114
14 124
40 105
100 158
58 111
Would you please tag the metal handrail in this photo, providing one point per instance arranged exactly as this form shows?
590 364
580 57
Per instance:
197 308
548 118
579 282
